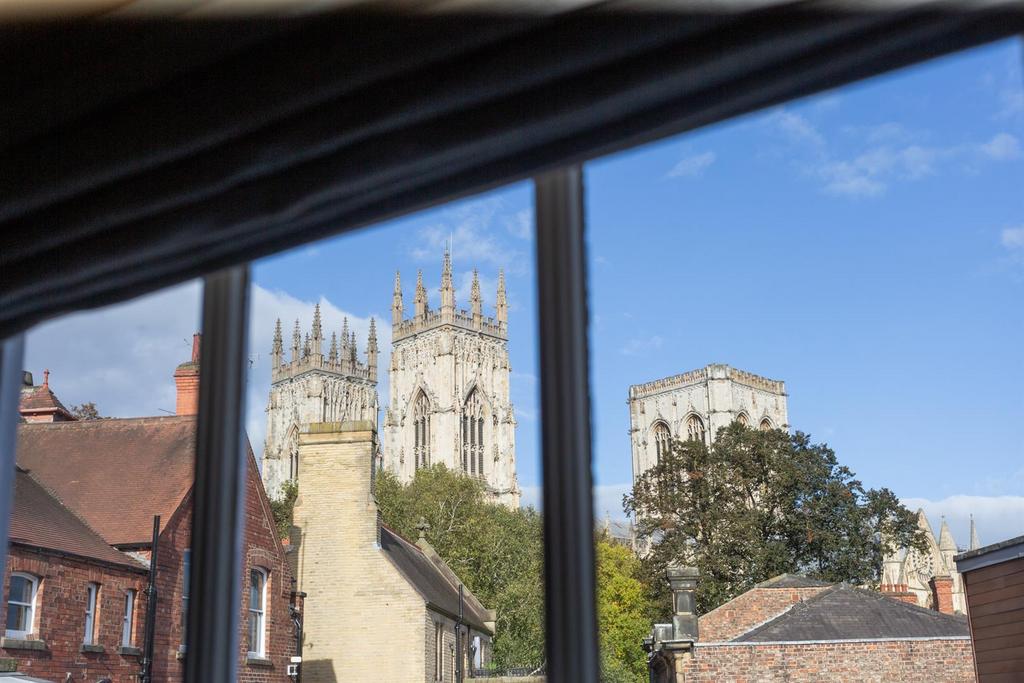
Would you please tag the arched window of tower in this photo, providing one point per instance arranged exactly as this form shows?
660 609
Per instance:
421 418
743 419
766 424
695 428
473 435
662 438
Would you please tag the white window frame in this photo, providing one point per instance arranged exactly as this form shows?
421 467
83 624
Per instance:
31 605
259 613
438 651
128 618
92 596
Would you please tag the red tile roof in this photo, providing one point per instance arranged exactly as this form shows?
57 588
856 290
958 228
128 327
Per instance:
40 520
114 473
41 400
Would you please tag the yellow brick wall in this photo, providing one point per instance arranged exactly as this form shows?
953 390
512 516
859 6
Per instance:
362 620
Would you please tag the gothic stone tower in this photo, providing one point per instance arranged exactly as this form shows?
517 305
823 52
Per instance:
695 405
313 387
449 389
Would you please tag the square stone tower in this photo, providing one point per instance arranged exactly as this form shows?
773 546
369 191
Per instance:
313 387
449 386
695 405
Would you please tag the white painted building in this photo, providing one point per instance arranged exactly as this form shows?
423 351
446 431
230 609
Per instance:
314 387
695 405
449 380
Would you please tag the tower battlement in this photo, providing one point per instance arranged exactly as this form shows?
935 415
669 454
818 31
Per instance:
700 375
471 320
342 359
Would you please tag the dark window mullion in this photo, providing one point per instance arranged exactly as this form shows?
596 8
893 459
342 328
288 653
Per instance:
220 478
12 353
565 408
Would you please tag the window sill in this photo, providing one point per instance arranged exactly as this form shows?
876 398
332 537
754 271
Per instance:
22 644
91 647
130 651
254 660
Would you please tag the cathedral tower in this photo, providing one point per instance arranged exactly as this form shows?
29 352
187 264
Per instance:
449 389
312 387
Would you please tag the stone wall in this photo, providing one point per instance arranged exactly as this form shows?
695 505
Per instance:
361 616
717 394
946 660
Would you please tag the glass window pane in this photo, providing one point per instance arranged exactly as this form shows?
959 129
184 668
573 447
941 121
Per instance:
420 386
788 312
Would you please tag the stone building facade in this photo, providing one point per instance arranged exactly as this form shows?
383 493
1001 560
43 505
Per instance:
379 607
449 383
913 575
695 405
309 386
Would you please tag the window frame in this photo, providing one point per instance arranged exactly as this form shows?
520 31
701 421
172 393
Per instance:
92 601
186 572
128 617
30 606
260 614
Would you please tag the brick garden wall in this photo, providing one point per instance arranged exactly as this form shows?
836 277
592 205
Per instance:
882 661
59 621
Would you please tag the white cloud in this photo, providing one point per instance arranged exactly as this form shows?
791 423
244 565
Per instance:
997 518
521 224
638 346
796 127
123 357
1002 147
472 231
692 166
1013 238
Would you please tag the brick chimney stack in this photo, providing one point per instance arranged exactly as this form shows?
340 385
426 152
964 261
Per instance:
942 593
186 379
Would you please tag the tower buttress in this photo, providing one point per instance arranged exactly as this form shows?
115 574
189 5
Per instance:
501 302
371 350
420 301
276 349
475 301
447 289
396 301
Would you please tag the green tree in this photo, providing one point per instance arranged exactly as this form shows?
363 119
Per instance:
498 552
283 506
624 612
760 503
87 411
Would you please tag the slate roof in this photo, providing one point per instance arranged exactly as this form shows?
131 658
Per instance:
40 520
431 579
114 473
844 612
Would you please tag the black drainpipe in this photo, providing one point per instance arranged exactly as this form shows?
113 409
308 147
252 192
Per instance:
146 676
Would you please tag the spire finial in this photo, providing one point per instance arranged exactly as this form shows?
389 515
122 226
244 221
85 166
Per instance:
398 283
501 301
317 330
278 339
420 300
474 296
333 353
447 289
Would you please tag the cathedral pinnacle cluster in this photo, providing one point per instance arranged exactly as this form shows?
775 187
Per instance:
313 387
449 380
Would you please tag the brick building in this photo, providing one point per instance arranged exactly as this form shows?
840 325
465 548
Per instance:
106 479
796 629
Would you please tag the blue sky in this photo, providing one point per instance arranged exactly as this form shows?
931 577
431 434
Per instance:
865 245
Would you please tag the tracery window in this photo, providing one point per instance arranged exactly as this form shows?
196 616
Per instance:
473 435
662 439
695 428
742 419
421 418
766 424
